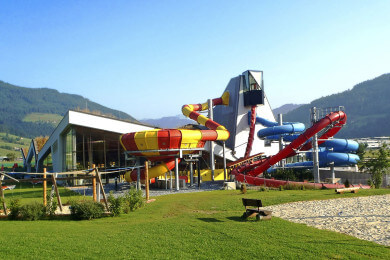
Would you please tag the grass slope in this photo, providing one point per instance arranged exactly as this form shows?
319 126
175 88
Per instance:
203 225
8 142
53 119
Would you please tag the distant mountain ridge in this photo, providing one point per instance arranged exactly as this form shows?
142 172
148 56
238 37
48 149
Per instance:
169 121
180 120
23 110
19 102
367 106
284 109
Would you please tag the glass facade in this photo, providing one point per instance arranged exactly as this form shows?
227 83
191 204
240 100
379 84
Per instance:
70 150
85 147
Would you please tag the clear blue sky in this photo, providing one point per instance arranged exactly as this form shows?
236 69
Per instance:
148 58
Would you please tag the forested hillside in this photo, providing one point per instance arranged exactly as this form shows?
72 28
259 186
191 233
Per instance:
367 106
18 105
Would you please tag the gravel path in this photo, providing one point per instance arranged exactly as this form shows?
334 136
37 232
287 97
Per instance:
124 187
366 218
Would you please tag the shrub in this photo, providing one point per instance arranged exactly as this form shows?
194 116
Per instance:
292 174
86 209
263 188
116 204
243 188
132 200
51 207
32 211
14 207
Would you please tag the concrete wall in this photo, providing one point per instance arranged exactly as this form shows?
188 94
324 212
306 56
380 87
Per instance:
235 119
353 177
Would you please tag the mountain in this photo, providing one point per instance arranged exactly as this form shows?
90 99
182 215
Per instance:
32 112
285 108
169 121
366 105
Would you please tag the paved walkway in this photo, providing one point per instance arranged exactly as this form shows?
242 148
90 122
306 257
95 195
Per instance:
124 187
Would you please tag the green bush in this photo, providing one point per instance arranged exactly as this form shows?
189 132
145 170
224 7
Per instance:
264 188
86 209
115 204
132 200
291 174
32 211
293 186
14 207
290 186
51 207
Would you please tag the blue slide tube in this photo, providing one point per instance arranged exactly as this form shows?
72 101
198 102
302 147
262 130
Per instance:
341 145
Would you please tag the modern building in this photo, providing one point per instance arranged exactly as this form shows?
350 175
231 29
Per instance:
81 140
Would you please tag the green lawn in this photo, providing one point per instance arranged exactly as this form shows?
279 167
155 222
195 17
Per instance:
204 225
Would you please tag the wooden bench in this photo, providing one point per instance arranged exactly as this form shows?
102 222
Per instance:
352 190
260 214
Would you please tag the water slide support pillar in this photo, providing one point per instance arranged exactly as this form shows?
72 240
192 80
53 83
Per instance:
177 174
212 160
137 164
170 182
198 166
316 167
191 174
280 120
224 162
333 173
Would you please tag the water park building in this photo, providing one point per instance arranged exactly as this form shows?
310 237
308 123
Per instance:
240 125
80 140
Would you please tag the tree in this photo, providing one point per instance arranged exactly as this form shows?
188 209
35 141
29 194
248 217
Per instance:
40 141
11 156
377 165
361 151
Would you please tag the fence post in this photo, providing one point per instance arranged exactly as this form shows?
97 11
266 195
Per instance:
56 189
94 183
98 177
2 195
44 188
147 180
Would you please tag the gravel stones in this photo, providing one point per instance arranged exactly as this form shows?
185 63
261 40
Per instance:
366 218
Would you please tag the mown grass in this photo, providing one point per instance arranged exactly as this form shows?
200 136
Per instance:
204 225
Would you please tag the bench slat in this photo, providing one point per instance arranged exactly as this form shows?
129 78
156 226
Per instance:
252 202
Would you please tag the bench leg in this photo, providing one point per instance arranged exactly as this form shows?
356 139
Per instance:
261 217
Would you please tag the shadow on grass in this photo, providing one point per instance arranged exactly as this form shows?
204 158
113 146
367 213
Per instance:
210 220
236 218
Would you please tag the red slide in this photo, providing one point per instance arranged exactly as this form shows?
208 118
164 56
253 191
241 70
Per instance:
251 132
334 121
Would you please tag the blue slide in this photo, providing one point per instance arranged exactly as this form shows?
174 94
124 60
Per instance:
336 151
